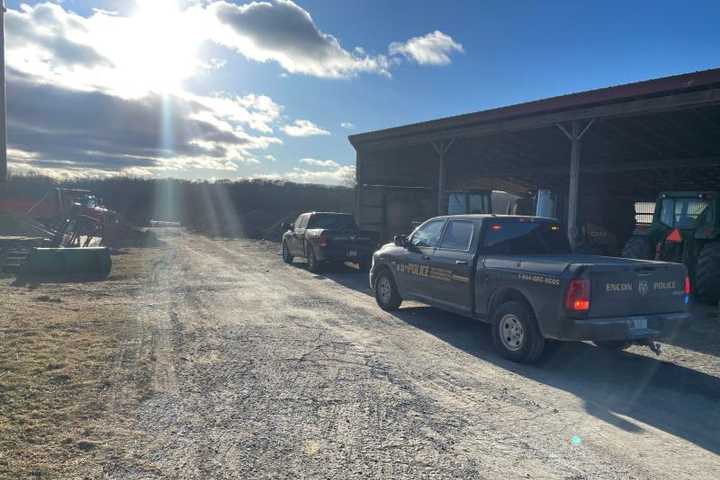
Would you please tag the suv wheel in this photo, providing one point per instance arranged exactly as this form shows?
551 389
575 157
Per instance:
287 258
386 292
515 333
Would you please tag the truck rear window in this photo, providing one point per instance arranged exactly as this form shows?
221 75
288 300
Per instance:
525 238
331 221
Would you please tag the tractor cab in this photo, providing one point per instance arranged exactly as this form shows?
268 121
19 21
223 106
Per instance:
685 228
686 212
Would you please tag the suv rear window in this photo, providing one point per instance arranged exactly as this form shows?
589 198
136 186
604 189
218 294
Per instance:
524 237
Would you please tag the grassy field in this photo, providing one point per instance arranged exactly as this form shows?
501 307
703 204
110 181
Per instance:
63 347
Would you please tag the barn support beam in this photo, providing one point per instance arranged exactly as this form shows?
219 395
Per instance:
442 149
574 134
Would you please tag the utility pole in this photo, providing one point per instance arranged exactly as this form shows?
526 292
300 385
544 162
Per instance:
3 106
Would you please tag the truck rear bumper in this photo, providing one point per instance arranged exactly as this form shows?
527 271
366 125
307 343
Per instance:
624 328
345 254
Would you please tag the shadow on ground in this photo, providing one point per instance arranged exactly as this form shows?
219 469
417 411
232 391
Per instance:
33 281
622 389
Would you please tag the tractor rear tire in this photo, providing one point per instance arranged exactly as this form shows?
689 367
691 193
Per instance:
707 274
638 247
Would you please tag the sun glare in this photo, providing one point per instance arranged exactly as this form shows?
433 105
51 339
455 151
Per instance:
161 51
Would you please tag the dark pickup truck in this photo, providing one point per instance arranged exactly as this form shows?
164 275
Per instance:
325 237
518 274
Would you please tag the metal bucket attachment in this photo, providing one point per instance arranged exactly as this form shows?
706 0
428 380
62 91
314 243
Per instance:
54 261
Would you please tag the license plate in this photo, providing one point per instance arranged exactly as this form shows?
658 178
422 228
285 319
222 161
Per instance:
638 323
352 253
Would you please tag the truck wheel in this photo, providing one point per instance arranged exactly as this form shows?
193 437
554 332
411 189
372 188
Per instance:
287 258
386 292
617 345
637 247
313 263
707 273
515 333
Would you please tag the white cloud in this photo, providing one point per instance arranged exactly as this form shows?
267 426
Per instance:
432 49
303 128
341 175
283 32
105 94
319 163
258 112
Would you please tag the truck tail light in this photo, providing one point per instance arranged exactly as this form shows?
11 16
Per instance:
688 289
577 298
323 240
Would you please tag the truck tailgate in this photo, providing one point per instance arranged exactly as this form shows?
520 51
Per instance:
643 288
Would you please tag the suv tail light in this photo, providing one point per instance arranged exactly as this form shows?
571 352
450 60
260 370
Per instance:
323 240
688 289
577 298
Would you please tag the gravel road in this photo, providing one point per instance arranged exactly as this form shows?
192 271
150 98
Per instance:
265 370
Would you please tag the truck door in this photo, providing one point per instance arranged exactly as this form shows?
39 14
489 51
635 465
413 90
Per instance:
413 267
451 267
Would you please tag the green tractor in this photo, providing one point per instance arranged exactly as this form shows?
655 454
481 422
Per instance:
685 228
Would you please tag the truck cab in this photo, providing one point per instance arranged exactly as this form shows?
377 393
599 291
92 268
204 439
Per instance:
474 265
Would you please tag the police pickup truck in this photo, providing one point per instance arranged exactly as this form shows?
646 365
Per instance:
325 237
518 274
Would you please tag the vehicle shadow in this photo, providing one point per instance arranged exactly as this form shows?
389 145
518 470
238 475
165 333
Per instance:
622 388
701 334
347 275
619 388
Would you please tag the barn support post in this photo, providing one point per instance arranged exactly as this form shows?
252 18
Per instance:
441 149
575 134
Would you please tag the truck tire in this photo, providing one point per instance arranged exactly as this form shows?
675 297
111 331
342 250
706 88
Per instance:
313 262
287 258
637 247
386 292
707 274
515 333
616 345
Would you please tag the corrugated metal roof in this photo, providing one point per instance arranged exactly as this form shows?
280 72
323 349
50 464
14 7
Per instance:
603 96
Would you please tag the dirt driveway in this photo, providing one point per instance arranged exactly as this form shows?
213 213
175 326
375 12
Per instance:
226 363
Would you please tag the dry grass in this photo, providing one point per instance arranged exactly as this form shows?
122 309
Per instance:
69 376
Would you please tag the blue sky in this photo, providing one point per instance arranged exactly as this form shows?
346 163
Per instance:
493 54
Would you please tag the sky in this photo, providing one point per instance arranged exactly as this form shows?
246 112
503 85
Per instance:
208 89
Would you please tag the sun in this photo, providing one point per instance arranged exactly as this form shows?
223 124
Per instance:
160 50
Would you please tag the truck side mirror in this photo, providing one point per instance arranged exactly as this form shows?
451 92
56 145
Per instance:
400 240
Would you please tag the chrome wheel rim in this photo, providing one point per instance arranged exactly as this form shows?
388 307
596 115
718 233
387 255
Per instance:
384 290
512 333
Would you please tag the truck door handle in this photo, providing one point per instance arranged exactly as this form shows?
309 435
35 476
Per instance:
425 257
460 262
